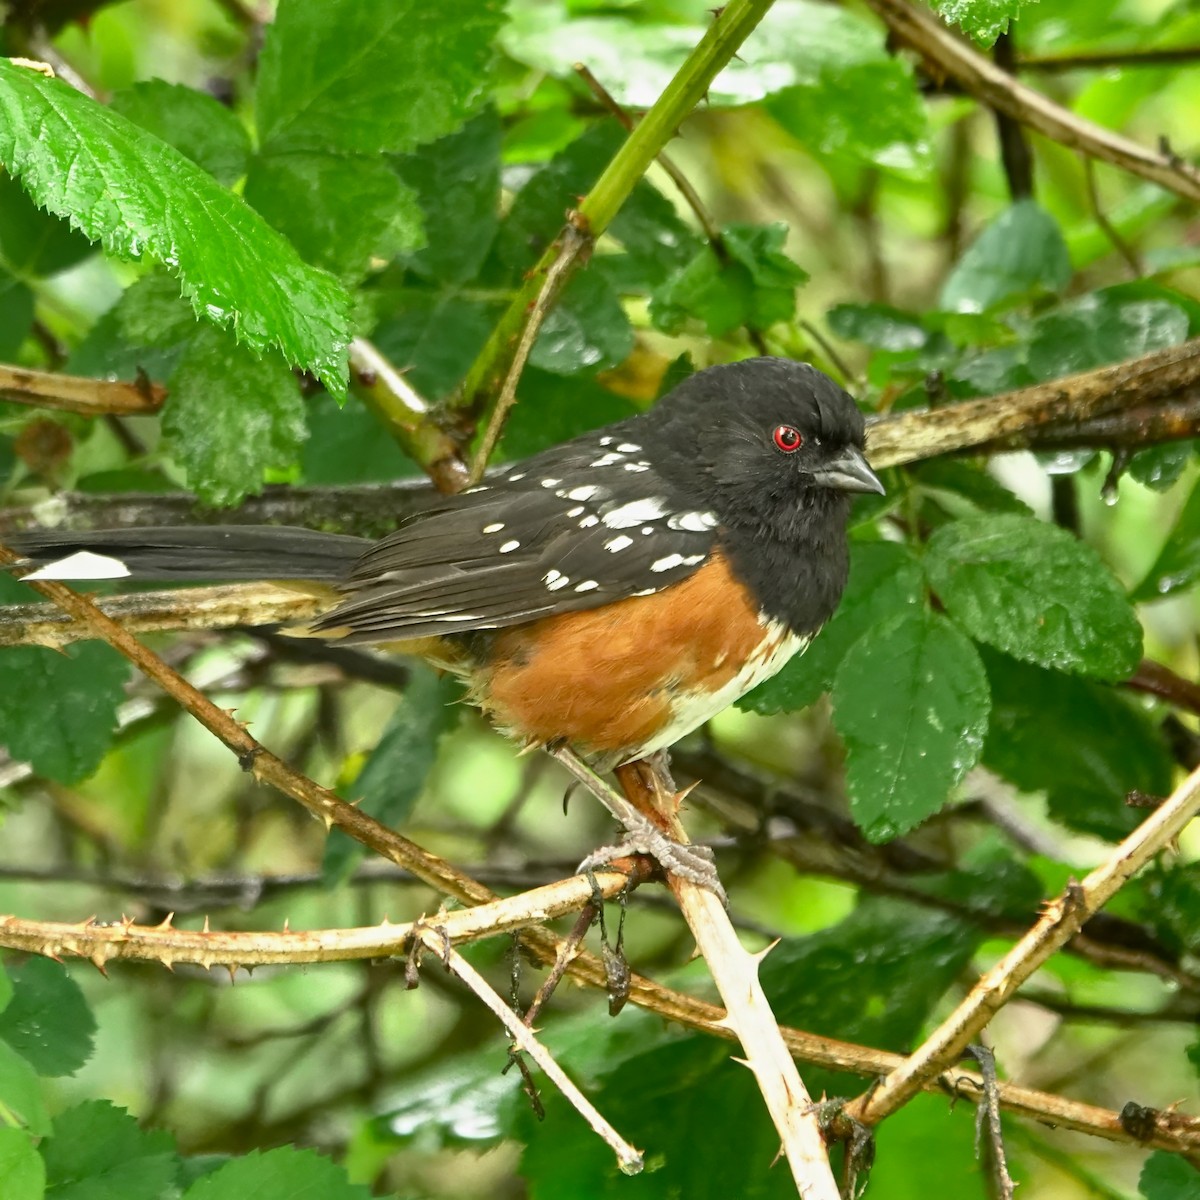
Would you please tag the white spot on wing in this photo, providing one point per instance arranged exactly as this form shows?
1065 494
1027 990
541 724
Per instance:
588 522
667 562
559 581
515 476
694 522
576 511
510 546
588 585
618 543
607 441
83 564
583 493
629 448
551 482
634 513
637 466
494 527
608 459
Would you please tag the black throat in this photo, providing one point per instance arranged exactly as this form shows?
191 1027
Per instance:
796 564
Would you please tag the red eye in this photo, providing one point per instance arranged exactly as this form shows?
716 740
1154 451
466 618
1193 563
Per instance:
787 438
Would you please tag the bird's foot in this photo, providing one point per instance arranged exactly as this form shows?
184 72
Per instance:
693 863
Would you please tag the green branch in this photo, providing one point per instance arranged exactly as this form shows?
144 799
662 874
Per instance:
728 31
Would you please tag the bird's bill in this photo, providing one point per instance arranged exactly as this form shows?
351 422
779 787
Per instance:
848 472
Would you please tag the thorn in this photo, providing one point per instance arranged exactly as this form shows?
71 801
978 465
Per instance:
287 925
98 961
165 923
206 928
232 969
758 956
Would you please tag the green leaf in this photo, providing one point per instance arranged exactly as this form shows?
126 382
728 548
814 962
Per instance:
197 125
6 989
21 1092
345 446
126 189
414 338
457 183
877 325
394 776
22 1175
984 20
16 314
885 579
151 312
230 416
282 1174
903 757
1178 563
1036 592
1099 329
1020 253
35 243
551 409
979 490
98 1152
1169 1177
339 210
58 710
373 74
1160 467
1082 743
586 330
756 287
48 1020
1171 906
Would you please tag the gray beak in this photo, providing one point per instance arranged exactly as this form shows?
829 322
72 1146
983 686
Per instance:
848 472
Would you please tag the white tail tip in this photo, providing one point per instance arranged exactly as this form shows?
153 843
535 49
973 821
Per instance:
83 564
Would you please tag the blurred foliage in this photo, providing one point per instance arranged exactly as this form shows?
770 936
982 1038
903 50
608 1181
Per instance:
246 199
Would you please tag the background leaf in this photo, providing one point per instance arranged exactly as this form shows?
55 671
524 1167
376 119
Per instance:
903 757
48 1021
1035 592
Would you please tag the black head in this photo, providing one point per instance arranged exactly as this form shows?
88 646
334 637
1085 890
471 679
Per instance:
768 440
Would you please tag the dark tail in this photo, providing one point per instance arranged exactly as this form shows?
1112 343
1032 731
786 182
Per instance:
215 553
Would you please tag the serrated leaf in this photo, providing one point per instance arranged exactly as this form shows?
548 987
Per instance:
355 208
58 710
137 196
33 242
1082 743
21 1093
586 330
22 1175
457 182
230 416
196 124
903 757
282 1174
151 312
394 776
1178 563
755 287
48 1020
98 1152
1169 1177
372 75
1036 592
984 20
885 579
1021 253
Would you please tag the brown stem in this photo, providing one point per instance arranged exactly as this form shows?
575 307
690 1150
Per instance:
75 393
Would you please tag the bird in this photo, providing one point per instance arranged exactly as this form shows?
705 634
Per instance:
610 593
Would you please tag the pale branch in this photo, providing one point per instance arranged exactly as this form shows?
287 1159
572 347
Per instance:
1061 920
78 394
950 56
404 413
1062 403
731 25
735 972
628 1158
102 943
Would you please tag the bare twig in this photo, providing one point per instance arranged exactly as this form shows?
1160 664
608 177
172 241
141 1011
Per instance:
75 393
1157 679
1062 920
125 940
575 243
950 56
987 1121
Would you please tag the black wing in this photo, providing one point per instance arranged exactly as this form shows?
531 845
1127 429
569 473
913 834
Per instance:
578 526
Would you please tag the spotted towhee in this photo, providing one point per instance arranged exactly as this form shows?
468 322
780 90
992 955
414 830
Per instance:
610 593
